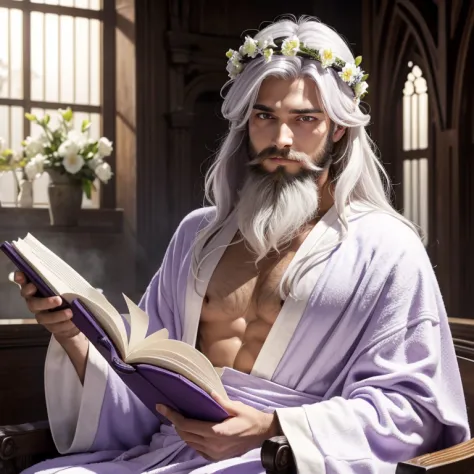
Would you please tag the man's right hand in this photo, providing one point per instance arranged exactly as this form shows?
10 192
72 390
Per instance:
58 322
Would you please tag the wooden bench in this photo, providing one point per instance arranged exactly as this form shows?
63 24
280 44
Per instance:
24 441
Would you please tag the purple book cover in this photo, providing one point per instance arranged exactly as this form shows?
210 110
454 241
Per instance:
152 385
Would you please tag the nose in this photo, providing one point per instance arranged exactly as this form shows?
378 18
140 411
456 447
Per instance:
284 136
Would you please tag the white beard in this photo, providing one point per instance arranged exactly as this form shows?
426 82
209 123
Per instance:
274 206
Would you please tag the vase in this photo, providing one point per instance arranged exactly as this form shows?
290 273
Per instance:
25 196
65 199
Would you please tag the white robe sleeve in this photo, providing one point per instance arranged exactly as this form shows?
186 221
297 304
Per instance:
74 409
402 398
103 413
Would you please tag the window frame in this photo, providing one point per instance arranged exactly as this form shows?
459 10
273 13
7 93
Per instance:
418 153
107 105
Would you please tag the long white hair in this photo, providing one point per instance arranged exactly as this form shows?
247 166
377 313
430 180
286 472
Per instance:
360 178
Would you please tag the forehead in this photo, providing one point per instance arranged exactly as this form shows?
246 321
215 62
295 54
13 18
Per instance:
277 92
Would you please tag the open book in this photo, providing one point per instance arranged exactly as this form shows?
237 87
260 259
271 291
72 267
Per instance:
157 369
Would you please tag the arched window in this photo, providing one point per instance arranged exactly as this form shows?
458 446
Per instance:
50 58
415 150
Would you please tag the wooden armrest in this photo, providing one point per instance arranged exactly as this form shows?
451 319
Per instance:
277 457
22 446
458 459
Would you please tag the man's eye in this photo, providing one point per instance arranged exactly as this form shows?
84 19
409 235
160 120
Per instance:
264 116
306 118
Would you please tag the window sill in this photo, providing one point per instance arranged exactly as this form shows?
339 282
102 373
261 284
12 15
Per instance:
34 219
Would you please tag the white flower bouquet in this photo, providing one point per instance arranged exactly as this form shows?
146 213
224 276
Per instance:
69 152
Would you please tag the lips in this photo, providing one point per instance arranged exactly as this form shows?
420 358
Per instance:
283 160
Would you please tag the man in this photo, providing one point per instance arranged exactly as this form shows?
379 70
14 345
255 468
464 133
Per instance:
302 282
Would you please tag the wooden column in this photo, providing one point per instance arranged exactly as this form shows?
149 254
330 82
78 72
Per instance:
108 193
125 121
152 161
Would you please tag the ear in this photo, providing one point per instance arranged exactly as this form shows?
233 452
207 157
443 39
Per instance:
339 132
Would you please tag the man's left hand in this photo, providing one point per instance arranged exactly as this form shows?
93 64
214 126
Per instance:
245 429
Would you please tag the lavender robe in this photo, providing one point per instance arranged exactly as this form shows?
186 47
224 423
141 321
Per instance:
360 368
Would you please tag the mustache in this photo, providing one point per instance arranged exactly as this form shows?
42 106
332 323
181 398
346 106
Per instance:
285 153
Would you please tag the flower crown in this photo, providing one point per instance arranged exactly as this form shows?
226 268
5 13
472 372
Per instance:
350 73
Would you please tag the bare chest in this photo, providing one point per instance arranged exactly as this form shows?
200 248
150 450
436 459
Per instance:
241 304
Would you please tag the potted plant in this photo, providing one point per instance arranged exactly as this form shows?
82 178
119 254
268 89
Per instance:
72 159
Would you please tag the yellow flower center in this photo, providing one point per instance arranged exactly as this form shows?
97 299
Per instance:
327 54
347 74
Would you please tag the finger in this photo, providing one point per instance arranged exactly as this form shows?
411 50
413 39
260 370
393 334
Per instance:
36 305
192 438
228 405
216 452
182 423
28 290
45 317
201 453
64 329
20 278
173 416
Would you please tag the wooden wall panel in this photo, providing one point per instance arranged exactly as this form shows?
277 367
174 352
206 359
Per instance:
22 354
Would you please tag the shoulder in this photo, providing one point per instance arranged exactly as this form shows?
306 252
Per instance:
384 232
390 244
397 268
193 222
197 219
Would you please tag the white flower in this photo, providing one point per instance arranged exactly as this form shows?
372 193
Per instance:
35 167
349 73
327 57
236 58
33 146
290 46
39 158
230 53
80 139
234 69
264 43
105 147
32 170
267 54
234 66
68 148
104 172
73 163
95 162
43 138
360 88
250 47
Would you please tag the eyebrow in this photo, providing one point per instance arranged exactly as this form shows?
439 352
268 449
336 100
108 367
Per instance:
265 108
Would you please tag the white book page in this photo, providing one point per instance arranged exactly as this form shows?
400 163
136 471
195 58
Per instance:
73 279
189 353
182 369
59 279
50 256
152 341
58 285
111 323
138 321
159 353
